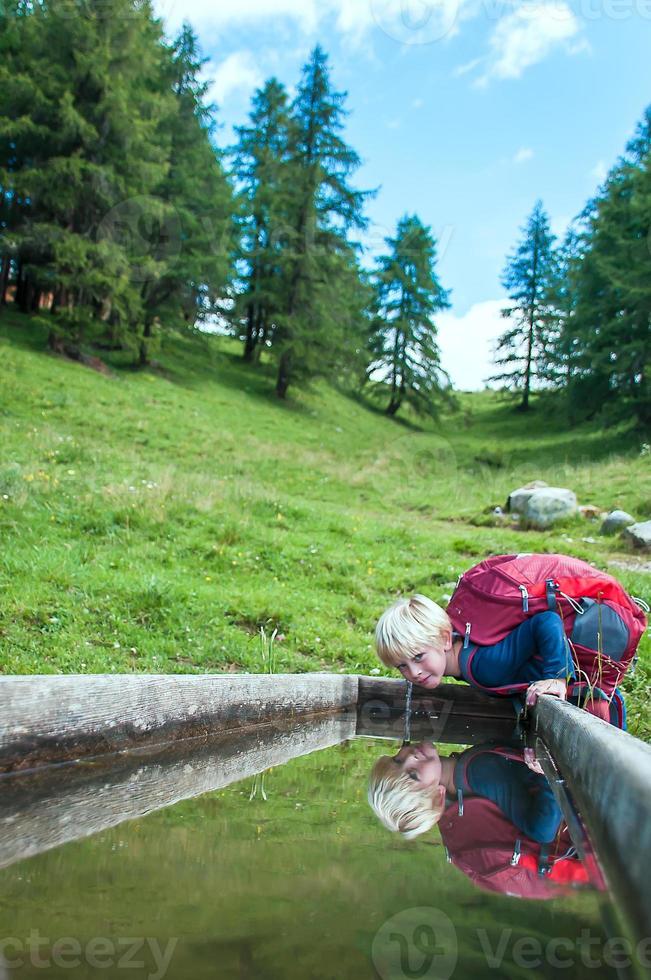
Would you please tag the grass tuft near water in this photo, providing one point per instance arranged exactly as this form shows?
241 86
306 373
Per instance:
159 520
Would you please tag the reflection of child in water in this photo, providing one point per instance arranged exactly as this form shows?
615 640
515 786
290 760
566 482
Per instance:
498 818
408 791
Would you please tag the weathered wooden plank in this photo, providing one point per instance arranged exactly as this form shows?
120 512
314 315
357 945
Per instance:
53 805
59 717
608 774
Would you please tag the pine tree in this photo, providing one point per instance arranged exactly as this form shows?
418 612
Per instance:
17 134
311 336
531 278
262 169
405 354
607 334
91 152
189 281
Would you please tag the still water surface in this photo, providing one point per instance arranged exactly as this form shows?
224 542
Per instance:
283 876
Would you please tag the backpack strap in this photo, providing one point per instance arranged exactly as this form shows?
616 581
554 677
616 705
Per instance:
544 864
550 592
517 852
506 690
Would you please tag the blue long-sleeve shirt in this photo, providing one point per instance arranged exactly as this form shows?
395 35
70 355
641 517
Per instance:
524 797
536 650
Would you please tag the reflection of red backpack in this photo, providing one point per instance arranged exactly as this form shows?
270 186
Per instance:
492 852
602 622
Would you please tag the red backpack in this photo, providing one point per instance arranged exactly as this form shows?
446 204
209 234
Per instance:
602 622
496 856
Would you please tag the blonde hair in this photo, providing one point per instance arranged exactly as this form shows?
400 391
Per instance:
398 803
407 626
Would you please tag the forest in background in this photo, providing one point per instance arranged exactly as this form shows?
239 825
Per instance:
122 219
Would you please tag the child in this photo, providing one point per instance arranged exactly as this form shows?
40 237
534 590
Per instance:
407 791
499 820
415 635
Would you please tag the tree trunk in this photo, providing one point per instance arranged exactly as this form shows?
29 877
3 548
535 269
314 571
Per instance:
27 297
143 357
284 371
62 300
261 334
4 279
251 340
393 406
20 287
524 404
55 343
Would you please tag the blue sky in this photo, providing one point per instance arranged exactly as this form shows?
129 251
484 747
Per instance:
463 111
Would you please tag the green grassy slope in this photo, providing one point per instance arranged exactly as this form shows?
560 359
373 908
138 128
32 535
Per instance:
155 520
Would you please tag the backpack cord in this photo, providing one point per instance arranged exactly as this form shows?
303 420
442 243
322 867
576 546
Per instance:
576 606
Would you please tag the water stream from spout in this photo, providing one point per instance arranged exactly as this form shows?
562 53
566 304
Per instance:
410 688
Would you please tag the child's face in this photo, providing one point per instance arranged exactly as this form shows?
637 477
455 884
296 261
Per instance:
421 762
427 668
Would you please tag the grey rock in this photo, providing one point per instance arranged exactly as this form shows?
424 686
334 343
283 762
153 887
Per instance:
639 535
548 505
616 521
518 499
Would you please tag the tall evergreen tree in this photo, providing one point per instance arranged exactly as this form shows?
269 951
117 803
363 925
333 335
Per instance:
406 356
262 168
189 280
311 335
531 278
17 135
607 332
93 141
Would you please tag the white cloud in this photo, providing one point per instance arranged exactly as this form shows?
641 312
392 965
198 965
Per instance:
528 35
599 172
467 342
239 72
467 68
408 22
224 13
524 153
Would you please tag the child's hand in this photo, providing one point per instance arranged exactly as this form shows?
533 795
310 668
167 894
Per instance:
554 686
532 762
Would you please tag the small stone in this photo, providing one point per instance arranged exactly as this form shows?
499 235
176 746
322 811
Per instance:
616 521
590 512
548 505
639 535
